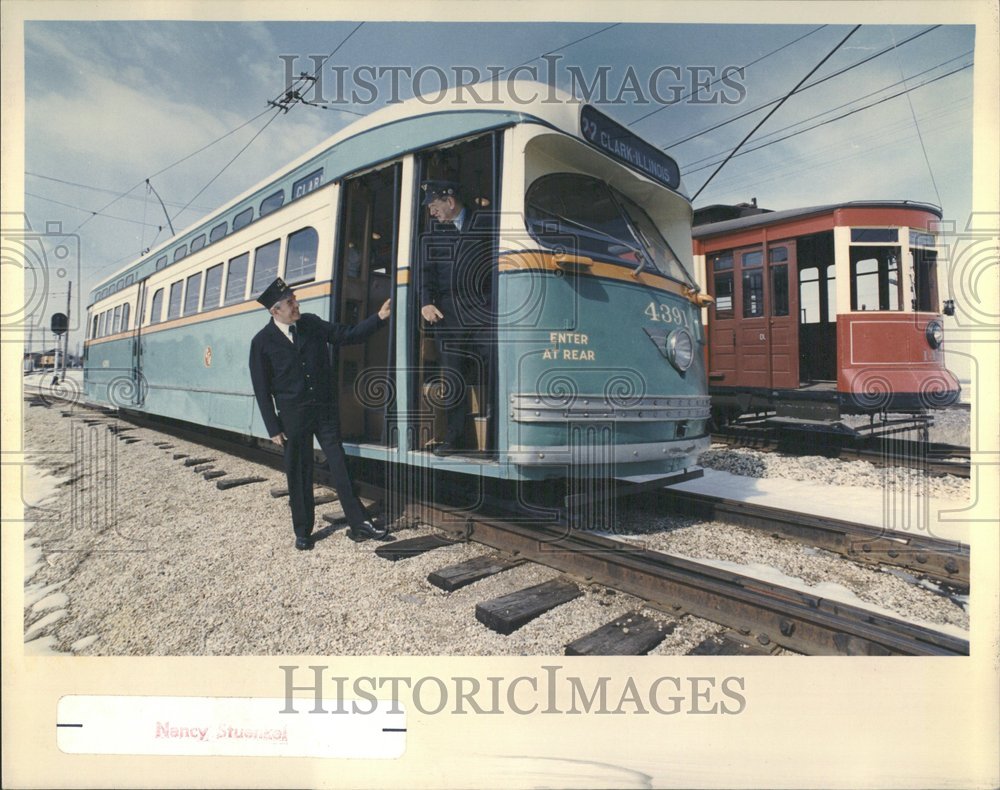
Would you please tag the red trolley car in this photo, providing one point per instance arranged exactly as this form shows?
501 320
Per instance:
823 311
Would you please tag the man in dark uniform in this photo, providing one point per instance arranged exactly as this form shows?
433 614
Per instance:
294 387
456 281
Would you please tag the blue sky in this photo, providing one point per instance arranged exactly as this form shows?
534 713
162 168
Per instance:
109 104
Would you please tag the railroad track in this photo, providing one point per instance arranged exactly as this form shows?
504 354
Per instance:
766 613
762 615
932 457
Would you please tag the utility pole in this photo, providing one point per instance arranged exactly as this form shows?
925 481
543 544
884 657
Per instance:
69 299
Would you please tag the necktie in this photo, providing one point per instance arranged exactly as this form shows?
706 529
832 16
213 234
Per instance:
294 335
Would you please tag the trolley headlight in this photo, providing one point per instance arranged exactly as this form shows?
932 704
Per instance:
680 349
934 334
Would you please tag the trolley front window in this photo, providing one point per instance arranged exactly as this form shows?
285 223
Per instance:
924 277
598 222
875 281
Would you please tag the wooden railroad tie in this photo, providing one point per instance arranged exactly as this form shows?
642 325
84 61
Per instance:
632 634
731 643
196 461
457 576
509 612
237 481
214 474
411 547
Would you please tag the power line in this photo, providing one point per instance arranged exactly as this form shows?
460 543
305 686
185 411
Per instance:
87 210
165 169
807 87
292 95
777 107
561 46
916 124
837 118
238 153
100 189
838 107
713 82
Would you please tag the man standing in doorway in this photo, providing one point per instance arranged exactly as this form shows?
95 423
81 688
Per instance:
294 385
456 281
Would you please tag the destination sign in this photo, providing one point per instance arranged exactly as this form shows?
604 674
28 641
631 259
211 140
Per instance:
618 142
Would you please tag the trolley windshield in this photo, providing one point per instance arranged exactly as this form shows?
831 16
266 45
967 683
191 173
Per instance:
600 222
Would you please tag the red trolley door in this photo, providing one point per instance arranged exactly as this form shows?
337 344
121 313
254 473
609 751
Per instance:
753 334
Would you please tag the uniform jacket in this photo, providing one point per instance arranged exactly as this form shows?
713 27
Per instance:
286 376
457 271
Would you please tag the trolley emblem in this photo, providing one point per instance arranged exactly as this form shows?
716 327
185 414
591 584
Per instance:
208 356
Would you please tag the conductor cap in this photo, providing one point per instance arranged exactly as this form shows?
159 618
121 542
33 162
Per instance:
274 293
437 190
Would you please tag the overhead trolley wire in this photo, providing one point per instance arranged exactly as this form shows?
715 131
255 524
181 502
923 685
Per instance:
86 210
837 118
719 79
777 107
803 90
916 123
688 167
561 46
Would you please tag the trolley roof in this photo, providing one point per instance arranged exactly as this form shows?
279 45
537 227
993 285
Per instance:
761 219
388 133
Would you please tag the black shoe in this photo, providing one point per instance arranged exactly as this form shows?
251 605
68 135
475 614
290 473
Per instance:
303 544
365 531
445 449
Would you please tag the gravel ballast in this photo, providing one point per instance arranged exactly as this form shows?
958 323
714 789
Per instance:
136 554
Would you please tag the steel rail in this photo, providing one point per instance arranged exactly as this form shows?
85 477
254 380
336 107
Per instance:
938 559
935 458
799 621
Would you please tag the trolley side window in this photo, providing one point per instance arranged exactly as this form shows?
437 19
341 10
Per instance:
300 256
236 285
722 268
272 203
213 288
174 304
156 308
93 329
126 314
192 293
117 321
218 232
752 264
778 258
243 219
265 265
875 282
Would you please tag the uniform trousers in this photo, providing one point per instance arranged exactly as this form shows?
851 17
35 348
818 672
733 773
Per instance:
461 357
299 425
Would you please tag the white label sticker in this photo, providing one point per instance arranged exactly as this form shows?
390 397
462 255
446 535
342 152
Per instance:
365 729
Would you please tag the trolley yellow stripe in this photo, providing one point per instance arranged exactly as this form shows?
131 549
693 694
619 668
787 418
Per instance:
579 264
306 292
